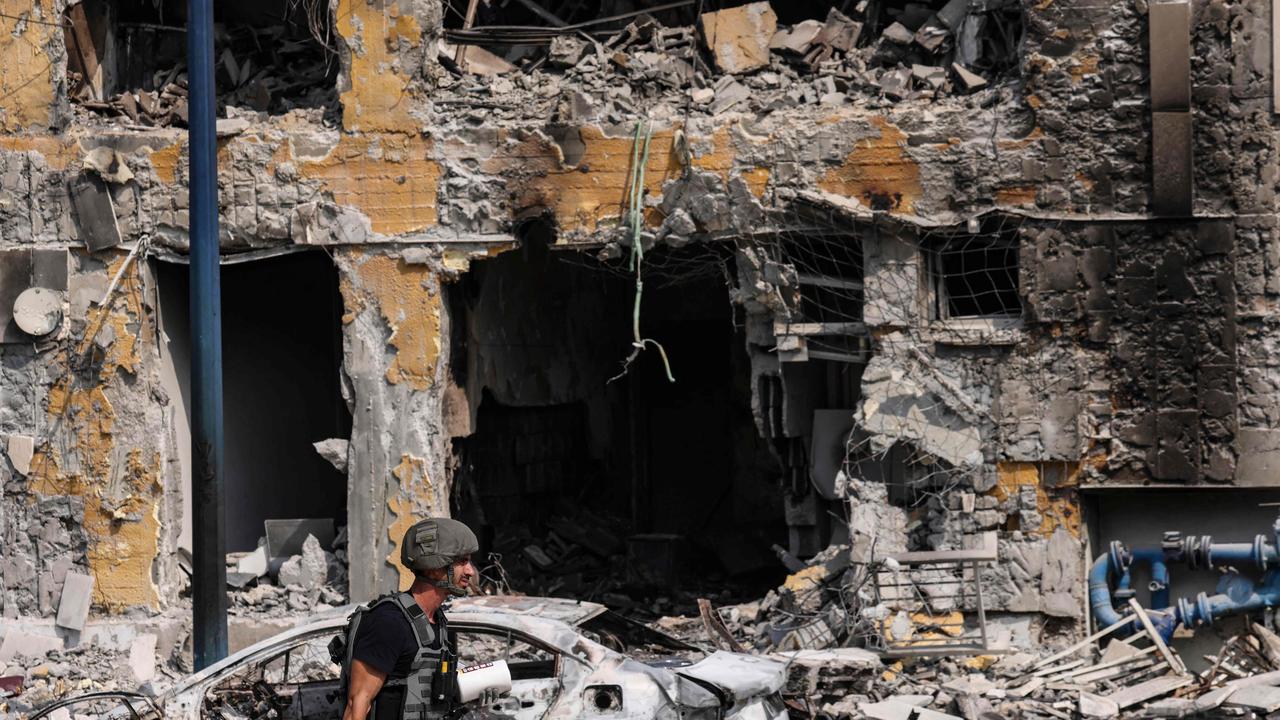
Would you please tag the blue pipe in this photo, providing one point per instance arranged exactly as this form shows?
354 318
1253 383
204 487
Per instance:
1236 594
208 579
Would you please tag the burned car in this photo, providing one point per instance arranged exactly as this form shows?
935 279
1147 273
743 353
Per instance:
567 660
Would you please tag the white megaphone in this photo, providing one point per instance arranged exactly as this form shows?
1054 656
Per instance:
474 680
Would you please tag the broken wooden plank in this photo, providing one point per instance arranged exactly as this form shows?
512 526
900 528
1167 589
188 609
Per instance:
1174 662
715 626
1262 698
1111 663
86 52
1120 671
1269 641
1151 689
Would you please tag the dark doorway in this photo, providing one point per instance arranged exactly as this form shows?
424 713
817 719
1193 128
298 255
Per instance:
282 355
590 482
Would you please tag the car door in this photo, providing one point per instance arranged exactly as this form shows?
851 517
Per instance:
535 667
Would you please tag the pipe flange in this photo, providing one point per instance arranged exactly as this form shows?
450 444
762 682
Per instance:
1120 557
1204 610
1171 544
1186 612
1260 552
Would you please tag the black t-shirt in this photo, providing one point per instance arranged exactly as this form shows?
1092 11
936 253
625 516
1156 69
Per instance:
385 642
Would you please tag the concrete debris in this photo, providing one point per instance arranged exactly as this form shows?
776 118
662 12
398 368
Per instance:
142 657
253 563
108 164
18 644
739 37
308 570
77 596
334 450
20 449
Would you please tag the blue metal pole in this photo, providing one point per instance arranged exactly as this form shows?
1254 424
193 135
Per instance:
209 577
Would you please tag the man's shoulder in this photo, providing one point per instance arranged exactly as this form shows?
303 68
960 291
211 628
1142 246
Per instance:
385 612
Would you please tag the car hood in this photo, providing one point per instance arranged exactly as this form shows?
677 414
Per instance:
738 676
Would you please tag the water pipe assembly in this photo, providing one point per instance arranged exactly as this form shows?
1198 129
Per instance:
1110 580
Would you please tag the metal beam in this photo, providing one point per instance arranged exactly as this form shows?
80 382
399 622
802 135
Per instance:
208 525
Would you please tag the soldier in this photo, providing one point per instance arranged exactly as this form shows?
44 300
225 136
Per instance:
397 656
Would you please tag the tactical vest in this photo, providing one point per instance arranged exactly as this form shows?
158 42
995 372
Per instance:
427 689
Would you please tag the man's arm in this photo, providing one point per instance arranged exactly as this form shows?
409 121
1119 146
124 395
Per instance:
365 682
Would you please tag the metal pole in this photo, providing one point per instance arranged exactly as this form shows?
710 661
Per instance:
209 578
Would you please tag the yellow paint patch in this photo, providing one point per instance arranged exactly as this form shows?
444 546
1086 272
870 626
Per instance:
807 579
122 509
379 96
1058 506
402 508
1013 196
595 191
979 662
878 172
389 178
403 297
58 151
164 162
27 83
417 499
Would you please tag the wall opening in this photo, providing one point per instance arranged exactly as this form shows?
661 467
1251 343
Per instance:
282 355
127 59
975 276
588 487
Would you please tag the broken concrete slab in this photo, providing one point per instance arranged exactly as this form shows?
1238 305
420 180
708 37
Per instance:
739 37
20 449
142 657
969 80
94 213
797 39
77 596
21 644
839 31
254 563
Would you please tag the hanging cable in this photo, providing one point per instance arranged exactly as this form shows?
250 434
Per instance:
635 216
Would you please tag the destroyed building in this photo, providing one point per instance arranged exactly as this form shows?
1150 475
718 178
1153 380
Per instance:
639 290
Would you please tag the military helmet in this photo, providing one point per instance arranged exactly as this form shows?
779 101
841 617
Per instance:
436 543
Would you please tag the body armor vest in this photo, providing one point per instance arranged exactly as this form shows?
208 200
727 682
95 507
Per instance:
427 690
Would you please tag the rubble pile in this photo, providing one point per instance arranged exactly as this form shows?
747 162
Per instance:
311 581
261 69
29 683
741 59
587 556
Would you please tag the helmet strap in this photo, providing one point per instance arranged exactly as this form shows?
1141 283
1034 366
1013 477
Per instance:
447 584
